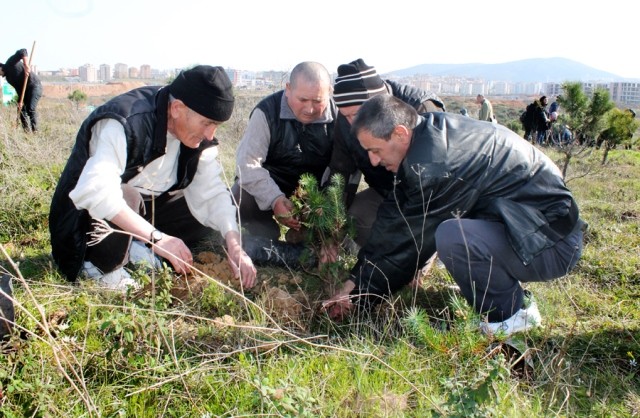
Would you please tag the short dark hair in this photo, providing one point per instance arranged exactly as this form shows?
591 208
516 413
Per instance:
381 114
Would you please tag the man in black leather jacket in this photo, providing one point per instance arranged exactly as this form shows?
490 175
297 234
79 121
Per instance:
494 207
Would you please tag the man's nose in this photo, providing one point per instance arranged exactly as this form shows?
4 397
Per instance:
375 160
210 132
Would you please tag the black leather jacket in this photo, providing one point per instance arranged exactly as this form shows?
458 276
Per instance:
457 166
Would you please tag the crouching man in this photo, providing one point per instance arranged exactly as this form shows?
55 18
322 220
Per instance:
495 209
146 162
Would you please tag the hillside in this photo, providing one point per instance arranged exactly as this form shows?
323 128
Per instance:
531 70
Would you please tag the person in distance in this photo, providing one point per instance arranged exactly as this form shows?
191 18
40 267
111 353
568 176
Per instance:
16 70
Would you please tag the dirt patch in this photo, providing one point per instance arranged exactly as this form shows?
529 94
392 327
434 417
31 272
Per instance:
61 91
280 294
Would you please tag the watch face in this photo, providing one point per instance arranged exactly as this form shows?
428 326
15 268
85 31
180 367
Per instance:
156 236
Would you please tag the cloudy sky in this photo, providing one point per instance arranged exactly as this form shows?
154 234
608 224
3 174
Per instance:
276 35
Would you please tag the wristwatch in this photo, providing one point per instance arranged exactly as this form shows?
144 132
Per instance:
155 236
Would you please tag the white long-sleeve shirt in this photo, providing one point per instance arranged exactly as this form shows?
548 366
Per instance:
99 192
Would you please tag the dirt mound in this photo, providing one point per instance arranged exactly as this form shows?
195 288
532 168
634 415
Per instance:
280 295
61 91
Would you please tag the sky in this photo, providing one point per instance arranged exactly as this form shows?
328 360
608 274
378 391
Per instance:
259 35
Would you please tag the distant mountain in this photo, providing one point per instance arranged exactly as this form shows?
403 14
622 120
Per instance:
531 70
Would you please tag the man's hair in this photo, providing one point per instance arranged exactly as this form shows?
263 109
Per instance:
381 114
310 71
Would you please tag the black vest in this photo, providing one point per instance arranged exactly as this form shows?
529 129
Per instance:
143 114
295 148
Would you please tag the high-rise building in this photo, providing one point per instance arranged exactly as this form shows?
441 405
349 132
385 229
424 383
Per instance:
104 74
145 71
121 71
88 73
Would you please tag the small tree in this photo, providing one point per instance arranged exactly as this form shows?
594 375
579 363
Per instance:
324 216
585 116
595 118
77 97
620 126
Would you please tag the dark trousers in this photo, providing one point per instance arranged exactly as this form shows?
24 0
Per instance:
170 215
480 259
363 212
28 114
255 221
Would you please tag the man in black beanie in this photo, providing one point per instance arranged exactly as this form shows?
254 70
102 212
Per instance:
356 83
146 163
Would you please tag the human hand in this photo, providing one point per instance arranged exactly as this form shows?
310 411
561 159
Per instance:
340 305
240 262
243 268
328 253
282 211
176 252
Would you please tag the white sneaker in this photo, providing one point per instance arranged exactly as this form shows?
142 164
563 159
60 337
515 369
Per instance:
526 318
118 279
141 254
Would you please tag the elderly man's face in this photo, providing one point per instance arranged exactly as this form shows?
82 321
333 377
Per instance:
308 100
190 127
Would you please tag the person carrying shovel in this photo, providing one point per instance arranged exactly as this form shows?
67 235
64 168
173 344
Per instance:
18 73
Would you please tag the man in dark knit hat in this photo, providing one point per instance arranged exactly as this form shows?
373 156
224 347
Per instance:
146 163
355 84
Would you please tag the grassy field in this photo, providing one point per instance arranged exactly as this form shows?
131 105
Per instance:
78 351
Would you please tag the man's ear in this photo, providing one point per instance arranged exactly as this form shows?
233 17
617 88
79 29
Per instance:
175 107
402 133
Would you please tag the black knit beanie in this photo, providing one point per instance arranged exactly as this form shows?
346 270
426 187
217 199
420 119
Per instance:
206 90
356 83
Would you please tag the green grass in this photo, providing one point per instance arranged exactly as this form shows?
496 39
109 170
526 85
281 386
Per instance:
81 352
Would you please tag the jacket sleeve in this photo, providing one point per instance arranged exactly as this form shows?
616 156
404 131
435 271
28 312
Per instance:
342 161
251 153
15 58
403 235
208 197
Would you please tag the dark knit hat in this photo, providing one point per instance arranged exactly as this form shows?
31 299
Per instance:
356 83
206 90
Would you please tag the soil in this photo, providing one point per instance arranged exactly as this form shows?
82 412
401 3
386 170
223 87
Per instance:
63 90
279 294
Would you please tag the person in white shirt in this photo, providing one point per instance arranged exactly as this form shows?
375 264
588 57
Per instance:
146 162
